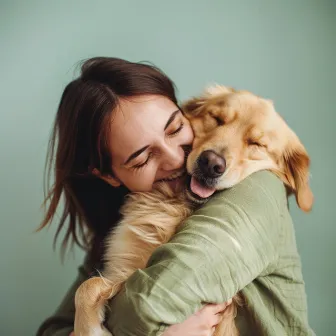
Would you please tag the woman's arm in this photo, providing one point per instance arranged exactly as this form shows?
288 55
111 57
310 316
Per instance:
62 322
220 249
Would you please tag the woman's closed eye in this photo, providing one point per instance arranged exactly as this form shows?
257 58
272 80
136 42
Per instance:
170 133
177 130
143 163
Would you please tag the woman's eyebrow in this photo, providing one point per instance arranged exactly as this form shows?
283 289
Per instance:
141 150
171 118
135 154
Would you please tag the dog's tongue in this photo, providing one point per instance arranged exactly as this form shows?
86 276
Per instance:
200 190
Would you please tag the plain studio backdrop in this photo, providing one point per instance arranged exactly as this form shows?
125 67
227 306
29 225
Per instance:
282 50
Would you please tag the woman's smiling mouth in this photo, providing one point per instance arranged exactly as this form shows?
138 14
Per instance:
174 180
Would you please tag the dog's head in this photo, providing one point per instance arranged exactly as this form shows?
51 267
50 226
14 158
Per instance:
238 133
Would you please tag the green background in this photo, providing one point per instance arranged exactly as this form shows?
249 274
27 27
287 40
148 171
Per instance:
283 50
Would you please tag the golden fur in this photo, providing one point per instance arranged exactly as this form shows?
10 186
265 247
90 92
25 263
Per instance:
238 125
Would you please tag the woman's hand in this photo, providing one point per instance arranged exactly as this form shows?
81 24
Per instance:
202 323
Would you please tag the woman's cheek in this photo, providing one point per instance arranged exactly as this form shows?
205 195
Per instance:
140 183
187 135
145 180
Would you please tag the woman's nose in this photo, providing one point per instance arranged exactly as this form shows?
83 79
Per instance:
173 158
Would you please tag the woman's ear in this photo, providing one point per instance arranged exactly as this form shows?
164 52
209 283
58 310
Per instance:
114 182
296 171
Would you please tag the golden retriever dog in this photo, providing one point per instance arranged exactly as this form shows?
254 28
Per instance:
236 134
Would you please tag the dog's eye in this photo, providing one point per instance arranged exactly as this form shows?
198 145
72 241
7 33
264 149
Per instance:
252 142
219 121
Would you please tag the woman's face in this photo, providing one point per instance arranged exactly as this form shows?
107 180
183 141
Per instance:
148 139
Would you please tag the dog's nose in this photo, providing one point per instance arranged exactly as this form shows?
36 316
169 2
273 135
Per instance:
211 164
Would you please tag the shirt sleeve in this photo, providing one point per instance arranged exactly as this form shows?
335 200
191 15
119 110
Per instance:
61 323
220 249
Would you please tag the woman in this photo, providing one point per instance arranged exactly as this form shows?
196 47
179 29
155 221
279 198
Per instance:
119 129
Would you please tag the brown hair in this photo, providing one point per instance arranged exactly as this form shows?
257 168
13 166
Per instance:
78 144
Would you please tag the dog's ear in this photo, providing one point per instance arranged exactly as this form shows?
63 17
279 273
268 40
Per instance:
193 106
217 89
296 173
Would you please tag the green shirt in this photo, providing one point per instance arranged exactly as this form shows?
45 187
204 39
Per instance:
241 240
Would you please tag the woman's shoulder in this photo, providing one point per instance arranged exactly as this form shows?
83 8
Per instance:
260 192
258 185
